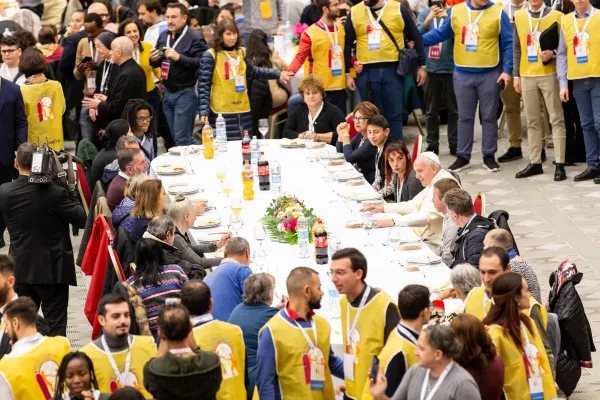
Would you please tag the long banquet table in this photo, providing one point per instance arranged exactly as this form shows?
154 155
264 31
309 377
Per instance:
304 178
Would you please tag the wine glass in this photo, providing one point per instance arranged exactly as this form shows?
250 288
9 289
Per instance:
367 224
424 268
236 205
263 127
260 233
227 187
260 258
393 238
221 173
236 223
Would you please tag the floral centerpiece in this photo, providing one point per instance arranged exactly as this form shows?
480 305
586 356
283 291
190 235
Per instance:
281 219
298 31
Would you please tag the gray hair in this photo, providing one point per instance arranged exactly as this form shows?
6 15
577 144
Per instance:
160 226
125 157
124 140
258 288
133 183
179 207
465 277
500 238
124 44
236 246
441 337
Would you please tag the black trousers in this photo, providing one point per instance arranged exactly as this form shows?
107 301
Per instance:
54 300
439 90
7 174
337 98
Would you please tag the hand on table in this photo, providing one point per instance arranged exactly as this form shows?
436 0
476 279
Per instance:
372 208
383 223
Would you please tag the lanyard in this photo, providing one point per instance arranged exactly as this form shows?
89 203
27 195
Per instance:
349 330
588 19
314 328
136 55
374 22
93 54
437 385
539 20
435 22
333 37
399 193
178 40
478 17
311 120
234 62
105 73
121 376
407 334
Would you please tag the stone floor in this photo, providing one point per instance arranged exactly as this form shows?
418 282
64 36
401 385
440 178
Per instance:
551 222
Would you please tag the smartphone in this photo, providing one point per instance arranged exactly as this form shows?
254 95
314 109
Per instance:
343 12
85 60
374 368
437 4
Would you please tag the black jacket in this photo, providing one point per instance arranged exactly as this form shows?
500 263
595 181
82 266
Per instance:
470 240
125 248
261 102
173 257
38 217
577 342
362 156
73 88
12 120
501 217
327 121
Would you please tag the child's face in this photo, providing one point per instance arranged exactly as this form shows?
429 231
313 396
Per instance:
230 38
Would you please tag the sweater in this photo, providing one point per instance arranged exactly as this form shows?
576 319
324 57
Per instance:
327 121
116 191
445 64
122 214
253 18
226 284
361 155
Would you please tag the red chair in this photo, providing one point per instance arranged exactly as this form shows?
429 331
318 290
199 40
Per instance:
114 258
479 204
417 148
84 188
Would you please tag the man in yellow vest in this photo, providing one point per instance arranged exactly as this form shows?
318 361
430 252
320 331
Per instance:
399 353
369 315
534 74
380 29
223 338
482 35
323 45
295 358
578 60
118 357
30 370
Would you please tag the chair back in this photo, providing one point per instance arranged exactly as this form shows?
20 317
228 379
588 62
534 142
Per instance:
479 203
417 148
114 258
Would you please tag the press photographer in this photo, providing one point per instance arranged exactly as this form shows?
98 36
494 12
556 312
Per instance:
38 216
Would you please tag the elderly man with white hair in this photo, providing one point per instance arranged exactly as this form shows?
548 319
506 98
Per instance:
130 83
420 212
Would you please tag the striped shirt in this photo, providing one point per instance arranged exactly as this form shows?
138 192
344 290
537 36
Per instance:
170 281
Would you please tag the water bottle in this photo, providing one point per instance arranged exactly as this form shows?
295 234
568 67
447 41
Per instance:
303 246
333 301
221 134
289 35
254 154
276 178
279 40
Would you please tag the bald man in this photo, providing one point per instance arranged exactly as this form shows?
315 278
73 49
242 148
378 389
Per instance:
420 212
296 336
130 83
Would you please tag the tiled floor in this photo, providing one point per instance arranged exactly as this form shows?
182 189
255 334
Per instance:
551 222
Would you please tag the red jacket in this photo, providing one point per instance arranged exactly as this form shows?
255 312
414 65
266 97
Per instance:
95 262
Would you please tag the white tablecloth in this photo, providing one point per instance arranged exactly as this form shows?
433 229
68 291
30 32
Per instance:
304 179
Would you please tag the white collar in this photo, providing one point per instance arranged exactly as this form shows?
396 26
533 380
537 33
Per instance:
123 175
25 344
16 296
201 319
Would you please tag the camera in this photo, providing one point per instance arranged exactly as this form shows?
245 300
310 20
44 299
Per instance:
47 167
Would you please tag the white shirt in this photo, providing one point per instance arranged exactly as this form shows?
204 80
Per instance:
123 175
21 347
153 32
10 74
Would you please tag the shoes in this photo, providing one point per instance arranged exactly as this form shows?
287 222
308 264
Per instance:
513 153
586 175
452 151
490 163
543 155
459 165
559 173
530 170
433 149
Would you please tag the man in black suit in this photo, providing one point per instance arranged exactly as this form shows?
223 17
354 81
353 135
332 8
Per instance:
13 133
38 218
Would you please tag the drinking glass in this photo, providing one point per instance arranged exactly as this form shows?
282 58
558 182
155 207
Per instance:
235 222
424 268
263 127
393 238
236 205
221 173
260 258
367 223
260 233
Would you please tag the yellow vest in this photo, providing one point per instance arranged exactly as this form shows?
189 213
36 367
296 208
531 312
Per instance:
474 302
392 18
591 68
369 334
223 96
33 374
319 62
227 341
487 54
516 386
290 348
536 68
142 350
44 108
148 70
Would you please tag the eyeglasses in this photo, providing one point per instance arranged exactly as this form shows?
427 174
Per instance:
8 51
337 272
144 119
360 119
104 15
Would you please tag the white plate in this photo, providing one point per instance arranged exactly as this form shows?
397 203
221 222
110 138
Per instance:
424 260
183 188
194 149
340 168
347 175
331 156
289 143
207 222
169 169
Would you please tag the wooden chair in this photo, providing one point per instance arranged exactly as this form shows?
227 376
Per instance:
114 258
275 120
84 188
417 147
479 204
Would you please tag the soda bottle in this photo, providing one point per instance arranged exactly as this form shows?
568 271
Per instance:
302 229
246 153
221 131
320 241
208 137
248 180
276 178
254 154
264 181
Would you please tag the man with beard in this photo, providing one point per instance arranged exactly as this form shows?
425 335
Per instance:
296 336
152 16
119 357
29 371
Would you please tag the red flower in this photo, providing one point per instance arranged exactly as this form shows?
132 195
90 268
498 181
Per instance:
299 29
291 225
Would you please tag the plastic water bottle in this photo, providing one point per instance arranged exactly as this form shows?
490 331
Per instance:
289 35
333 301
279 40
254 154
221 134
276 178
303 246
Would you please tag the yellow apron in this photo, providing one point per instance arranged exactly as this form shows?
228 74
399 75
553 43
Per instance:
44 108
229 93
323 58
476 302
589 45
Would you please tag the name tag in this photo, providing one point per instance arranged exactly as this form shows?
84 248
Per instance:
91 85
435 51
164 70
240 84
470 36
349 366
317 369
336 60
374 36
582 45
533 46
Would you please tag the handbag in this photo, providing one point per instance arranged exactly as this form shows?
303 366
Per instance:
408 59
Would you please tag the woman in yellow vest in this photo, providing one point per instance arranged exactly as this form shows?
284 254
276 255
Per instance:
76 379
44 101
224 78
527 373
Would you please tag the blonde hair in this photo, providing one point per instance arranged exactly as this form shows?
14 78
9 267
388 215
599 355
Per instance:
311 82
179 207
133 184
147 202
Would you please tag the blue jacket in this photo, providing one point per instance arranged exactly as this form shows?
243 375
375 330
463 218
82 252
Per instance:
445 64
363 157
226 285
12 120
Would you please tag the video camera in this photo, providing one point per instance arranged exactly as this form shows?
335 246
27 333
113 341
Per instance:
47 167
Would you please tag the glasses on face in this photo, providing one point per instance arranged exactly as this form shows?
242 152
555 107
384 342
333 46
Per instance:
144 119
104 16
360 119
7 51
336 272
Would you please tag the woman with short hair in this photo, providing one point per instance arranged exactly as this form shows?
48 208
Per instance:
121 215
151 201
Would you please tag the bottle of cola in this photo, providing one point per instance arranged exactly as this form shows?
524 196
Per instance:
321 245
264 178
246 152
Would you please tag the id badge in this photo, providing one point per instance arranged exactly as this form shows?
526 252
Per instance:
336 60
435 51
532 53
349 366
317 370
91 85
581 54
536 369
164 70
240 85
265 9
471 37
375 39
536 388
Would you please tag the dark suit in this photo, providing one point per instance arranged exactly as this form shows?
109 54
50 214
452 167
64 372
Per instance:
13 132
38 218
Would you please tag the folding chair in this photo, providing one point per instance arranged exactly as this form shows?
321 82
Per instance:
417 148
479 204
